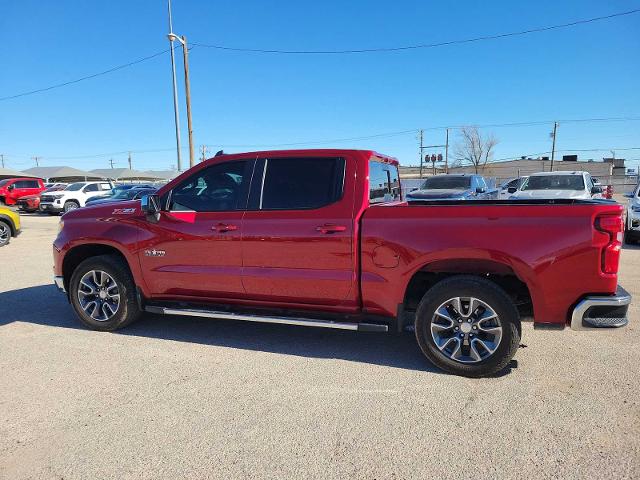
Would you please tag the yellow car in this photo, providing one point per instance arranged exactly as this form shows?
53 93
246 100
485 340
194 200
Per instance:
9 225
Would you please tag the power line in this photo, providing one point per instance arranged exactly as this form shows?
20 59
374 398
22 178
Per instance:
419 46
349 139
88 77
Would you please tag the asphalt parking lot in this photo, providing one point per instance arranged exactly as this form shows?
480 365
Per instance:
194 398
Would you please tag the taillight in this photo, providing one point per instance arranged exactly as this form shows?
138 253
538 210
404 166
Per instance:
612 226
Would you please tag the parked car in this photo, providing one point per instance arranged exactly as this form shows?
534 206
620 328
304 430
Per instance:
453 187
72 197
118 190
31 203
310 237
552 185
506 189
12 189
632 222
9 225
129 194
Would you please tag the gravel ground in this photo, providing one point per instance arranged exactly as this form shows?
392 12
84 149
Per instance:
191 398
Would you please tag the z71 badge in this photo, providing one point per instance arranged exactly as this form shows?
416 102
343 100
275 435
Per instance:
154 253
123 211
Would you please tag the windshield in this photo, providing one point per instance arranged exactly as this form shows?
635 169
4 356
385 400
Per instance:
124 194
447 182
3 182
554 182
75 186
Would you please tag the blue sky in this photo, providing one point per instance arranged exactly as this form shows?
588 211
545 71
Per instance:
244 99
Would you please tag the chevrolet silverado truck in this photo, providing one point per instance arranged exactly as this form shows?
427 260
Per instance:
323 238
73 196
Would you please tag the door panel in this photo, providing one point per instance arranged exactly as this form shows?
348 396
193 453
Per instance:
194 250
188 255
306 255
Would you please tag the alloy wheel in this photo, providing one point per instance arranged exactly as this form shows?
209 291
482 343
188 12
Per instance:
466 329
99 295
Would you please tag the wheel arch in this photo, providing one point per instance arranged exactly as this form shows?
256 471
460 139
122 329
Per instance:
514 281
78 254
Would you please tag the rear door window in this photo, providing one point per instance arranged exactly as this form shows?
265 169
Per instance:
301 183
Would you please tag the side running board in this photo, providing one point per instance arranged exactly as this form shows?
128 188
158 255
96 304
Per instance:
304 322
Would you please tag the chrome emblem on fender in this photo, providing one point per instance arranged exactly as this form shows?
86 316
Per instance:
154 253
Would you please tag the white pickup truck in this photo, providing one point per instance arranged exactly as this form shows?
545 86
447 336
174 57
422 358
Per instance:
555 185
72 197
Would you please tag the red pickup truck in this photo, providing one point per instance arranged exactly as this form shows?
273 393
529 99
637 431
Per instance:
323 238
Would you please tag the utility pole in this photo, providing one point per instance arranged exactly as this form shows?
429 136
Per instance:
187 91
175 88
421 140
204 150
2 158
553 148
37 159
111 162
130 168
446 154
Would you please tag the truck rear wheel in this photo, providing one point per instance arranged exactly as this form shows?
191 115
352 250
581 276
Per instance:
468 326
103 293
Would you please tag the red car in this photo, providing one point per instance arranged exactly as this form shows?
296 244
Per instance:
31 203
323 238
12 189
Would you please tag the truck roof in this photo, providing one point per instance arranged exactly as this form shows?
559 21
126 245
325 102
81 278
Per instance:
572 172
310 152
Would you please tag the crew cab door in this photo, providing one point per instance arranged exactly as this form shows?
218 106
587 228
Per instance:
194 249
298 233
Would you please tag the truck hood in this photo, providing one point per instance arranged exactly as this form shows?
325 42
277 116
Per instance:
30 197
551 194
437 194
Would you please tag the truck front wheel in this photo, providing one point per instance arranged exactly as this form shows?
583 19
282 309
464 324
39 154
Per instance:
103 293
70 205
468 326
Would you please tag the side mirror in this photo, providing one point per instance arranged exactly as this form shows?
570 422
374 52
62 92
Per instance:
11 187
413 189
150 206
628 195
596 189
480 190
512 189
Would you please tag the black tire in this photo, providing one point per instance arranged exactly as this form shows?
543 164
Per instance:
629 237
5 233
70 205
486 291
128 310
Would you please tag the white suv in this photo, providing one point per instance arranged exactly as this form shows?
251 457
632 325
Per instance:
72 197
632 222
556 185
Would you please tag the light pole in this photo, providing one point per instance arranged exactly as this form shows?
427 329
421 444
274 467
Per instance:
175 88
187 89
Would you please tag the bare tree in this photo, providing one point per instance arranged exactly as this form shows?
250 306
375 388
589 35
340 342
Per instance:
473 148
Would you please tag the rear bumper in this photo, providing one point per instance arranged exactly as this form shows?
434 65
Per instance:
601 311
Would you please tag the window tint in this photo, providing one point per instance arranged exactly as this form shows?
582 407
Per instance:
481 183
554 182
91 188
27 184
105 186
218 188
383 182
301 183
20 184
454 182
